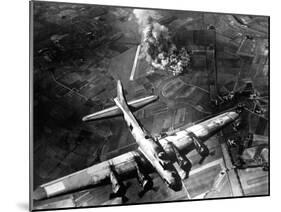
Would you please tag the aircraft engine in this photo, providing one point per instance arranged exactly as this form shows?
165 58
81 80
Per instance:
200 147
144 179
264 157
183 162
118 188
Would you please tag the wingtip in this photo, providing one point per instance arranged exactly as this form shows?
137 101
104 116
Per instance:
39 194
85 118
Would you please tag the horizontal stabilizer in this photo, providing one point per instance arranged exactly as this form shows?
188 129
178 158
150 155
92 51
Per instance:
115 111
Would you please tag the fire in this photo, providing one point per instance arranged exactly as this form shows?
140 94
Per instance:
157 45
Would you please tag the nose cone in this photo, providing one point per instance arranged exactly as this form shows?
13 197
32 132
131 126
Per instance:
176 183
176 186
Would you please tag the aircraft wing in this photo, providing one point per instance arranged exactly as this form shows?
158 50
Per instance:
124 165
184 138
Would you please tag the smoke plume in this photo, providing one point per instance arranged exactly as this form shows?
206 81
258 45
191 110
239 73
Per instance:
158 47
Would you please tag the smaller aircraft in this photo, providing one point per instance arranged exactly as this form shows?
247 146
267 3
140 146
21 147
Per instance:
253 102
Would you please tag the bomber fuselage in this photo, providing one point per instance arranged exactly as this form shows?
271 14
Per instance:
152 150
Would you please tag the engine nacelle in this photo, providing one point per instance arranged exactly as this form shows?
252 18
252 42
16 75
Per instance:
264 156
118 188
144 179
183 162
200 147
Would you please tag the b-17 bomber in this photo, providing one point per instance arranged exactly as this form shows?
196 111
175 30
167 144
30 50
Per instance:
135 106
158 154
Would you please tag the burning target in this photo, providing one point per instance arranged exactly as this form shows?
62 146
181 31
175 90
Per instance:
158 47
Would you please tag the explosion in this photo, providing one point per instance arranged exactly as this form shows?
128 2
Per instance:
157 45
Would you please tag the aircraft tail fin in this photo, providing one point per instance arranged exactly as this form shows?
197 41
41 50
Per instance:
120 95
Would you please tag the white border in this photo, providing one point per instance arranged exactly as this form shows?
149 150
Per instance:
15 104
